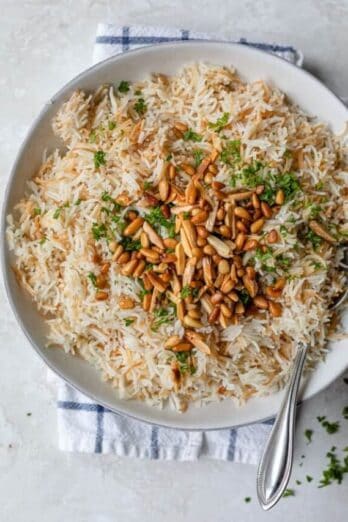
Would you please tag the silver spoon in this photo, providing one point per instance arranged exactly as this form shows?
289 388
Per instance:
276 462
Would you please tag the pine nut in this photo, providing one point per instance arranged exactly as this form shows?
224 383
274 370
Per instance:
225 231
213 155
257 226
272 236
197 252
216 298
182 347
101 281
250 272
260 302
147 302
250 285
214 314
280 283
227 286
131 229
105 268
201 242
234 297
209 250
150 254
240 272
101 296
239 309
200 217
208 178
220 214
129 267
144 240
191 193
192 323
266 209
227 312
188 169
112 246
172 172
242 213
240 240
280 197
217 185
223 267
251 244
126 303
195 314
163 189
173 340
123 258
241 226
255 200
170 242
180 310
139 269
275 309
180 126
272 292
202 232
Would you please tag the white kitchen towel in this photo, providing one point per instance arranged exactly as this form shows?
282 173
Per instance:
88 427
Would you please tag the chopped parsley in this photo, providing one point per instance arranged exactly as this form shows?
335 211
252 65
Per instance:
289 493
298 482
247 500
220 122
78 202
334 471
156 218
130 244
244 297
147 185
230 155
197 157
99 159
92 277
317 266
185 363
308 434
169 157
137 92
309 478
186 215
314 210
57 212
162 316
37 211
283 230
43 240
92 136
313 239
128 321
289 183
111 125
140 106
185 292
123 86
191 135
345 412
287 153
331 427
99 231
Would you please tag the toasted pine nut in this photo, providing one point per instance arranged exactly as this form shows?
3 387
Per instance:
192 323
234 297
214 314
129 267
272 292
227 286
220 214
170 242
180 126
255 200
197 252
209 250
280 283
223 267
182 347
126 302
213 169
105 268
201 242
180 310
146 302
173 340
144 240
112 246
240 240
225 231
195 314
163 189
239 309
226 310
133 226
250 272
275 309
150 254
117 253
165 277
101 296
208 178
216 298
241 226
154 238
280 197
257 226
266 209
213 155
157 282
272 236
139 269
240 272
171 172
202 232
250 285
101 281
188 169
200 217
124 258
191 193
260 302
217 185
250 245
242 213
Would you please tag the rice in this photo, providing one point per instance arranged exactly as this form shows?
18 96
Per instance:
118 141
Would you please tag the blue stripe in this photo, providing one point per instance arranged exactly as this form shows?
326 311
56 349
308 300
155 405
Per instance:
268 47
269 422
82 406
232 444
185 34
125 38
100 430
154 443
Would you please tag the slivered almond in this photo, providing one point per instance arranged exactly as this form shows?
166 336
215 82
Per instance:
157 282
191 193
163 189
180 310
185 243
131 229
192 323
250 285
197 340
203 166
321 231
188 272
153 236
213 155
190 233
154 297
180 259
206 304
221 247
207 271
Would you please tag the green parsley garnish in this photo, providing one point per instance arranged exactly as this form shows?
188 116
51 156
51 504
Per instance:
313 239
230 155
57 213
283 230
77 202
140 106
315 210
309 478
186 215
289 183
111 125
99 159
92 277
298 482
43 240
289 493
247 499
197 157
123 86
147 185
335 470
130 244
220 122
191 135
92 136
185 362
128 321
308 434
99 231
169 157
317 266
244 297
185 292
37 211
162 316
156 218
331 427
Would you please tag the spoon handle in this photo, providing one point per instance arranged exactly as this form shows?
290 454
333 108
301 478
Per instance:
276 462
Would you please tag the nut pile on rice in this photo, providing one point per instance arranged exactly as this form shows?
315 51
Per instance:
187 238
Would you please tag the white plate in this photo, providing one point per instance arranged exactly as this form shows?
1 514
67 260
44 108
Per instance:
252 64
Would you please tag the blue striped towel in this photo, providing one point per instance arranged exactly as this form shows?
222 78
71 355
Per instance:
88 427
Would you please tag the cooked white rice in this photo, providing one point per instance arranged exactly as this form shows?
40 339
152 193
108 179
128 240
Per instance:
54 250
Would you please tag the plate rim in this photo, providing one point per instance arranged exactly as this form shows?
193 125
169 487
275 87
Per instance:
4 247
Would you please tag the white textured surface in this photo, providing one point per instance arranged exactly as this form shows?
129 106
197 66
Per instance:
42 45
